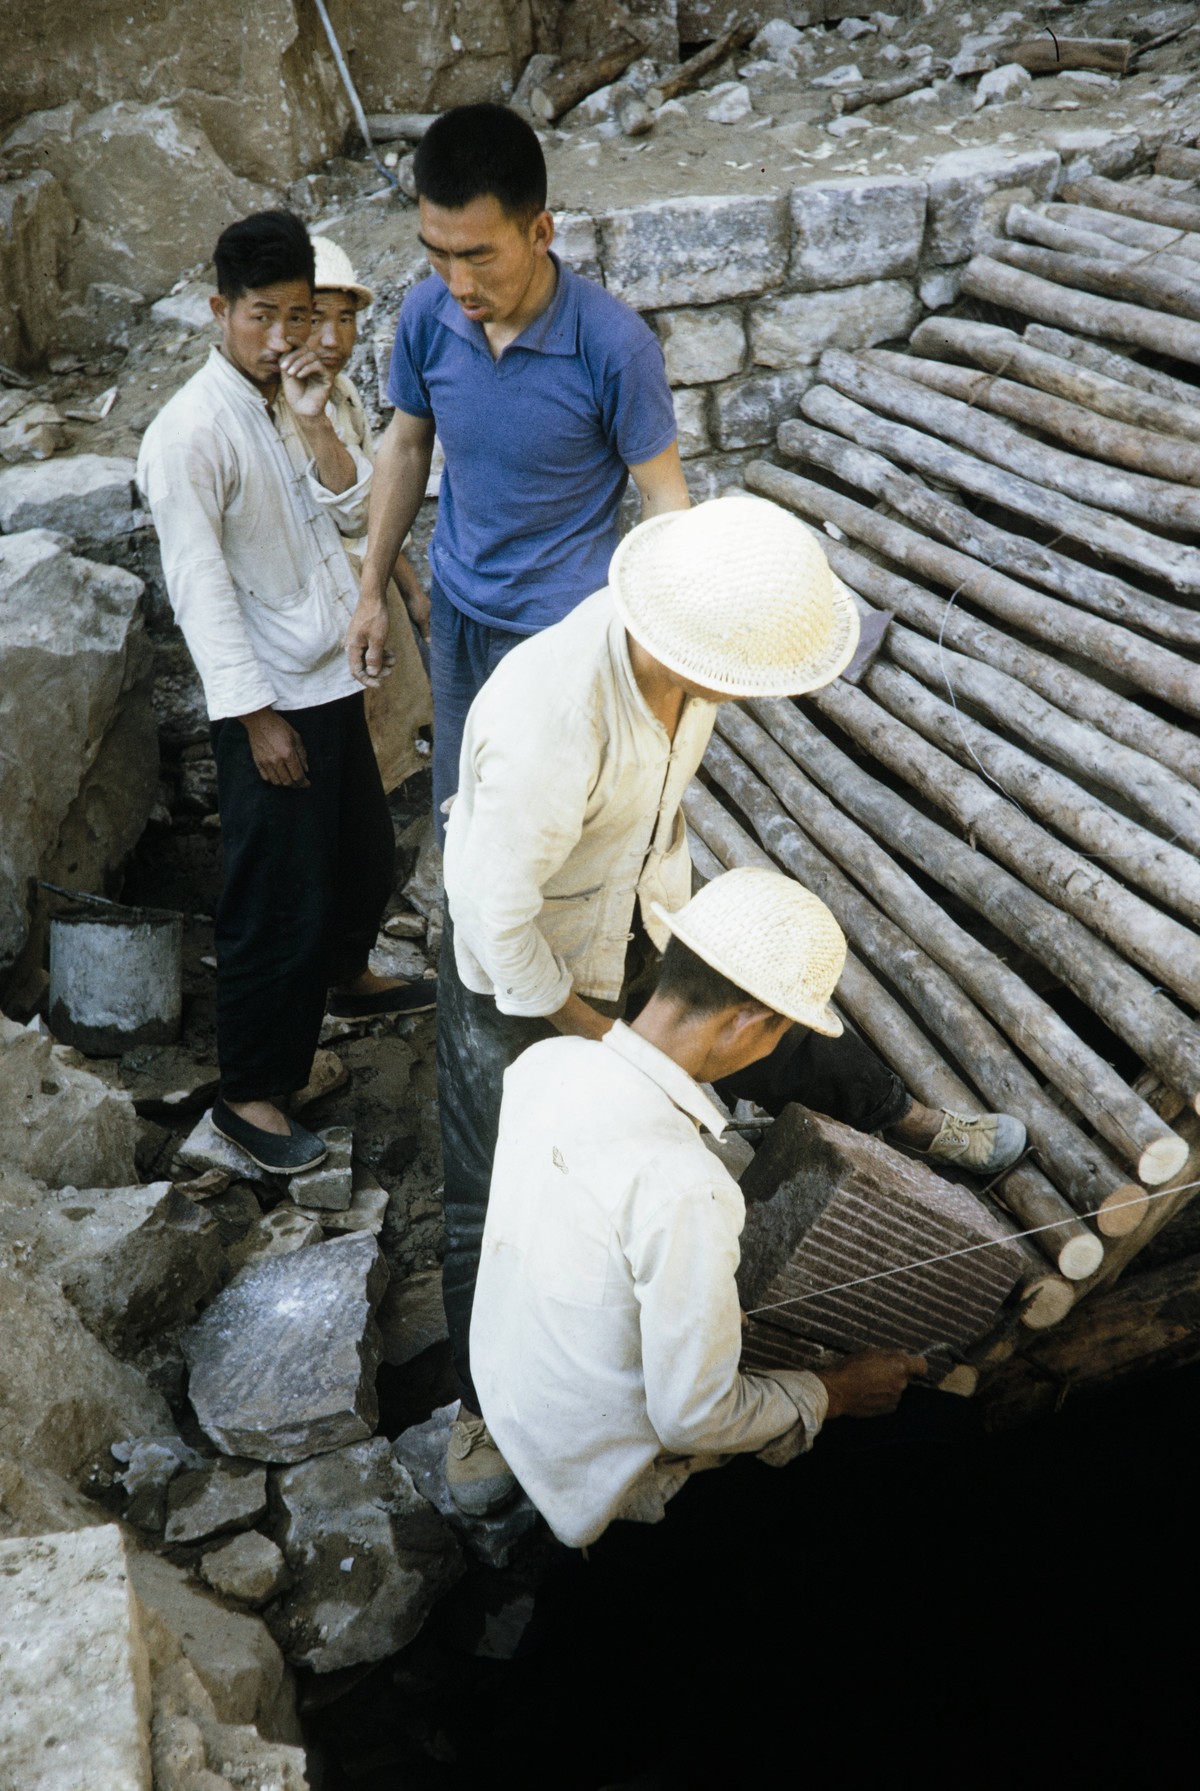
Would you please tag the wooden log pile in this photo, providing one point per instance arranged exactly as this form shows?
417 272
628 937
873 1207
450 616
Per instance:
1004 813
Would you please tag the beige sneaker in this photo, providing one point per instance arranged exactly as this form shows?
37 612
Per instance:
986 1144
479 1478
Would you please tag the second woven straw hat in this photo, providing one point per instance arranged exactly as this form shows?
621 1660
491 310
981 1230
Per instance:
771 937
736 596
335 272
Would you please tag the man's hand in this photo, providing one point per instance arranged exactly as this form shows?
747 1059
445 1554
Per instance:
371 659
306 384
277 749
869 1384
580 1020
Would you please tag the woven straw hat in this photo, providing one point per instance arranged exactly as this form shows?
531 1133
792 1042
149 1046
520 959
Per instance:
736 596
770 936
335 272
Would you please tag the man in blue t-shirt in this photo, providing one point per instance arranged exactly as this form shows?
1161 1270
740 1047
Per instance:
546 393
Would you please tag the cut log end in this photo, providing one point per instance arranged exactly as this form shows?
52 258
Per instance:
1047 1302
1123 1210
1161 1160
1080 1256
962 1379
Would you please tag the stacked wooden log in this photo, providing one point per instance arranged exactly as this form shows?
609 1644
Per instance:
1005 813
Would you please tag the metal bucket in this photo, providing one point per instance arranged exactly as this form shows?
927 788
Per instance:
116 978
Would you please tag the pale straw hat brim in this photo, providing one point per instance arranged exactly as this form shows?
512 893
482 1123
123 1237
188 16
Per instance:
335 272
742 643
755 981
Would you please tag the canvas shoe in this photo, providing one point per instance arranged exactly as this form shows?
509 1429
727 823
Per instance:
985 1143
478 1477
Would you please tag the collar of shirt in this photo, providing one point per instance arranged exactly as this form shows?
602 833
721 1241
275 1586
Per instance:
235 385
618 646
662 1070
554 331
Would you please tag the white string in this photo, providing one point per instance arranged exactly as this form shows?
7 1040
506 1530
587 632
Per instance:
927 1262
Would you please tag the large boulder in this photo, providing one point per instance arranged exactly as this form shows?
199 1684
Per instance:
36 222
438 54
283 1362
86 496
58 1122
76 694
63 1398
370 1557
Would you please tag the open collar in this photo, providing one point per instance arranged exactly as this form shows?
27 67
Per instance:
676 1084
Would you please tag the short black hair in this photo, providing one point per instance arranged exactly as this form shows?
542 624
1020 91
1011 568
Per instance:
686 979
262 250
473 151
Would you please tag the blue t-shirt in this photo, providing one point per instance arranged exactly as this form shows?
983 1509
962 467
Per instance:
537 443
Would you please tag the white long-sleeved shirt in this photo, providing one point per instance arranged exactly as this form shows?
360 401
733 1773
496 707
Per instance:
567 813
252 545
606 1333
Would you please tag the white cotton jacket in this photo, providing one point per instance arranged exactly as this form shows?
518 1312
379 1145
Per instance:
252 545
567 814
606 1334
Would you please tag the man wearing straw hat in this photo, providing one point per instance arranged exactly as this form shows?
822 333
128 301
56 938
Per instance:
607 1332
566 841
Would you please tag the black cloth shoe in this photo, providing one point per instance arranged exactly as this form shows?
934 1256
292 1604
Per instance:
405 998
270 1150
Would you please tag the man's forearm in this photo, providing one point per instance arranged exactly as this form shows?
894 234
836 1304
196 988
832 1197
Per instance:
397 492
332 460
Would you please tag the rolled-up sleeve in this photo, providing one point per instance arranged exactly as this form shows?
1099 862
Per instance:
684 1263
526 811
347 508
185 485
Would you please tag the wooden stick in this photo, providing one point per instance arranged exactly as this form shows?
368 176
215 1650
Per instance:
899 1040
1100 489
1106 360
1133 201
1110 536
1163 870
1123 999
1177 163
1037 225
1051 55
1161 945
1003 351
986 278
1140 285
1141 450
1046 1302
1165 1207
1159 749
573 81
1133 233
878 93
696 67
392 127
1076 1165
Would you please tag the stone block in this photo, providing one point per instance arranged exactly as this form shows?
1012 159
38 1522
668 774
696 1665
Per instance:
85 496
36 1500
691 420
283 1362
204 1148
370 1557
702 344
220 1496
58 1122
36 225
134 1262
691 251
412 1317
179 707
422 1450
104 318
747 412
846 232
577 242
250 1568
367 1210
35 433
796 330
970 188
329 1185
1087 151
76 1704
189 307
277 1233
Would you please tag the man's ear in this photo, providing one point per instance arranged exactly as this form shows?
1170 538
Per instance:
218 304
751 1020
542 233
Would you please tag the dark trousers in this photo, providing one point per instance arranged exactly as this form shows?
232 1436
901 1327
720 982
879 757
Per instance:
463 654
475 1045
308 874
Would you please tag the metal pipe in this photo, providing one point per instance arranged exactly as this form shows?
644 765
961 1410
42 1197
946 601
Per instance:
356 104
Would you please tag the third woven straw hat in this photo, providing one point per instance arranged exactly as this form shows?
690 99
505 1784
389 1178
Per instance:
736 596
771 937
335 272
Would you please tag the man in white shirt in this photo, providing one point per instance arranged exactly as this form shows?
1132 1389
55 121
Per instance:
607 1333
566 830
252 491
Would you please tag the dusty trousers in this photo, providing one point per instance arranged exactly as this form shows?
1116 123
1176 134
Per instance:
308 874
476 1043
